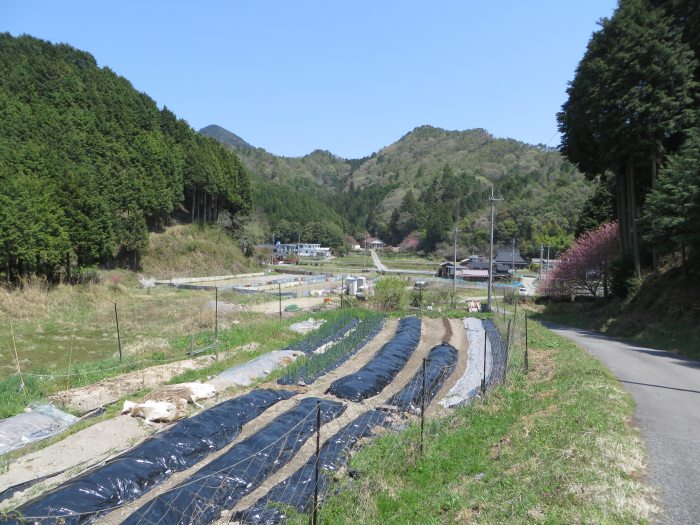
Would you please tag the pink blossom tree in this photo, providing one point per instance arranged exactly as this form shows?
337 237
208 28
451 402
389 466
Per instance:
584 269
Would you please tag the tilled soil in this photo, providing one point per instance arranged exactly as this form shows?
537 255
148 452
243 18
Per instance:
317 389
77 452
86 398
433 332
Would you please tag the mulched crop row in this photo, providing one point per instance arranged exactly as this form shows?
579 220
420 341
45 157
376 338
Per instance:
439 365
133 473
296 492
383 367
317 365
223 482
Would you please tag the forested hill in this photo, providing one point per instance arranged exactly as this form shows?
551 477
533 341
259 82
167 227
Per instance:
224 136
88 164
413 187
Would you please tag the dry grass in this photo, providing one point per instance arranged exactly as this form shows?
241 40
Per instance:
192 251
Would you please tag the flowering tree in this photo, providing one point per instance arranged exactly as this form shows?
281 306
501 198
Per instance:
585 267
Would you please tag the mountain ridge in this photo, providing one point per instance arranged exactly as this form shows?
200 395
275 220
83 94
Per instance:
431 174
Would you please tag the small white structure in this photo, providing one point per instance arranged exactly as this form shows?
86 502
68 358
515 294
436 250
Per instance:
301 249
351 286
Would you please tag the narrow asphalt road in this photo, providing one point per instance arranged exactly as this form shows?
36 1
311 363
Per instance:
666 389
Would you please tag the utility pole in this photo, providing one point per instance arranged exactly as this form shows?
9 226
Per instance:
546 276
513 263
454 276
364 257
492 199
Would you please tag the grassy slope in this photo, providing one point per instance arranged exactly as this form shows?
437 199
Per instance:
188 250
664 313
554 446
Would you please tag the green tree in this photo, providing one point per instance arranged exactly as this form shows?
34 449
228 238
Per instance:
629 101
672 213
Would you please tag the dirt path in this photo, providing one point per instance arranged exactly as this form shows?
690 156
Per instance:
460 341
86 398
317 389
78 452
273 307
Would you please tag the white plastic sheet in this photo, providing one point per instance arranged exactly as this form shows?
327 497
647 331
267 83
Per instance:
39 421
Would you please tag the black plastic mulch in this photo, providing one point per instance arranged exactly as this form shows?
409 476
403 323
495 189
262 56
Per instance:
297 491
439 365
133 473
220 484
381 370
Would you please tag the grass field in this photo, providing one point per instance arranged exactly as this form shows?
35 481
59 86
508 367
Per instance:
554 446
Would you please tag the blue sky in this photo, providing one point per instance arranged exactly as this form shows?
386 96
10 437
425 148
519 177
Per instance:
350 77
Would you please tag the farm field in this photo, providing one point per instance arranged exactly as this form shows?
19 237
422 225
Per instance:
278 485
434 332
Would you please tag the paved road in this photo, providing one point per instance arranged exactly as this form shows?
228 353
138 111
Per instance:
377 262
666 389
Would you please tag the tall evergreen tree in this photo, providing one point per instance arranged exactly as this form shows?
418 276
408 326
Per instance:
672 212
630 99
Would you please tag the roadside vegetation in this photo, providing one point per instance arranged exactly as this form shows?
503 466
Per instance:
662 311
553 446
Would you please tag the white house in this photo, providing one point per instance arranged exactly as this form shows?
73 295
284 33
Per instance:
301 249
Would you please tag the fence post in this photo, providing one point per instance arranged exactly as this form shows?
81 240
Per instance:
504 305
422 410
483 381
526 341
216 313
119 337
279 287
508 336
314 516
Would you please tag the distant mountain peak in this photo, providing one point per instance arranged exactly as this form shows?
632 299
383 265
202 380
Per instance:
225 136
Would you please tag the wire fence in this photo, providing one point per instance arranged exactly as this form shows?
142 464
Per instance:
287 468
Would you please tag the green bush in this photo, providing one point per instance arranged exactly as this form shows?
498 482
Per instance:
390 294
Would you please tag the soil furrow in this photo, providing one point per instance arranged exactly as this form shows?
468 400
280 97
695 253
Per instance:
317 389
432 334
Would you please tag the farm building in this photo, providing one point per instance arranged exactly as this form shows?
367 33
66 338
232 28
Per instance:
510 257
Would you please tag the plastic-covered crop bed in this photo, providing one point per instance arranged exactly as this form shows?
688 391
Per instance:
308 369
327 333
499 354
130 475
220 484
439 365
381 370
296 492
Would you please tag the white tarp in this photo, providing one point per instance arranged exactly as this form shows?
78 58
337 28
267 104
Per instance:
246 373
469 384
40 420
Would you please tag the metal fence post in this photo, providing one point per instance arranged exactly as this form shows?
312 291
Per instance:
483 381
422 410
279 287
526 349
314 516
216 313
119 337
